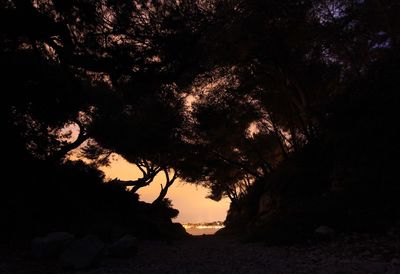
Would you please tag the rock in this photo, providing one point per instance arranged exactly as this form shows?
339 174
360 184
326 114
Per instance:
117 232
82 253
178 231
366 253
265 203
377 257
376 267
395 261
325 231
125 246
50 245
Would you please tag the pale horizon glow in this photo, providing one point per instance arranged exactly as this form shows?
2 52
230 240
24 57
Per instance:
189 199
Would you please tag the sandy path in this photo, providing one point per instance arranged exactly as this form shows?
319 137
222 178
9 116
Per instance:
221 255
207 254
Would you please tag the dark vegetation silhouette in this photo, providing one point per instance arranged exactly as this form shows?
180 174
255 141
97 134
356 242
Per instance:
288 108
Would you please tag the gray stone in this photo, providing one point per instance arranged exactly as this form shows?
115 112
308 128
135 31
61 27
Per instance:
50 245
366 253
265 203
83 253
125 246
395 261
376 267
324 231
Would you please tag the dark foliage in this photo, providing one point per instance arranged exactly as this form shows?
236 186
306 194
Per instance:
287 103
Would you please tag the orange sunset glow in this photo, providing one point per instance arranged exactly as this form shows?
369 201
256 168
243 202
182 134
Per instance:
189 199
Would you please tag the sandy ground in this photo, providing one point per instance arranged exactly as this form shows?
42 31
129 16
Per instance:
209 254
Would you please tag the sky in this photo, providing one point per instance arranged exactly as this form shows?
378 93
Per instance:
189 199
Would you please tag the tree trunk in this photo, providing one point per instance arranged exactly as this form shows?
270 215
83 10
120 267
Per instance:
279 137
82 137
164 190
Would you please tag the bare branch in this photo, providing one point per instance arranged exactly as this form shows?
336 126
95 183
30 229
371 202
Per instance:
164 190
237 164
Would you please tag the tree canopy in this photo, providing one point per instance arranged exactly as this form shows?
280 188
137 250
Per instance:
213 92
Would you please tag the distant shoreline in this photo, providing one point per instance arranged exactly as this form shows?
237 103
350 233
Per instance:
201 231
203 228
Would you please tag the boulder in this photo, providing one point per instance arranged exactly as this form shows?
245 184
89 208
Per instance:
117 232
50 245
82 253
124 247
267 203
325 231
395 261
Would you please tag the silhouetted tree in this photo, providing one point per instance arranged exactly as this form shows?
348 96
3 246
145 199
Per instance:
218 93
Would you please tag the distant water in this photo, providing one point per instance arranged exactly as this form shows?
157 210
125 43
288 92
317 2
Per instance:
201 231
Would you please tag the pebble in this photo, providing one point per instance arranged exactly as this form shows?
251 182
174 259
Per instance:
224 255
395 261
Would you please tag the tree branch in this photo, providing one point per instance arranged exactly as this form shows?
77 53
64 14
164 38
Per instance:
82 137
237 164
164 190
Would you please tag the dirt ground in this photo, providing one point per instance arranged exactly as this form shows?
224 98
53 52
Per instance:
210 254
